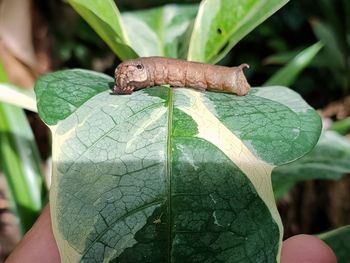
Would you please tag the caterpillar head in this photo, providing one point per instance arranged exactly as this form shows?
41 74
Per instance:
130 75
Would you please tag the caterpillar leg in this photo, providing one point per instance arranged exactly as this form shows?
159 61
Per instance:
123 90
200 88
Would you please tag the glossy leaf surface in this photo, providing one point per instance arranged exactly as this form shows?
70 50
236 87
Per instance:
220 24
104 18
162 31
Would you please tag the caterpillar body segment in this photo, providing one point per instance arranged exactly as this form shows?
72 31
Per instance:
140 73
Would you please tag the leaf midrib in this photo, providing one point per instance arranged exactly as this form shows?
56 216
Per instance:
168 167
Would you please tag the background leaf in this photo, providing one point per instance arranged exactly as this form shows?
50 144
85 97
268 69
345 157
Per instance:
21 98
170 174
335 51
220 24
338 240
341 126
104 17
160 31
289 73
20 162
316 164
329 38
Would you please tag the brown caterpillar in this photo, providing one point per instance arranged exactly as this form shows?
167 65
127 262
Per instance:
144 72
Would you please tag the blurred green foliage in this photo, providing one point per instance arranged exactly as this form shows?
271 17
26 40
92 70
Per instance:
271 45
291 30
20 163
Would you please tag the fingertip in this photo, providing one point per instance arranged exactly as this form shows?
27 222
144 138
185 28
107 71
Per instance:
38 245
306 248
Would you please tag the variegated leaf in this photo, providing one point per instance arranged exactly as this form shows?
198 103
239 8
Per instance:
168 175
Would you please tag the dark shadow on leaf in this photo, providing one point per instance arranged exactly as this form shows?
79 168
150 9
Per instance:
208 211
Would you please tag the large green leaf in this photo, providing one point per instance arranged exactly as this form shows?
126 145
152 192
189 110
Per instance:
220 24
160 31
168 175
104 17
339 241
316 164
